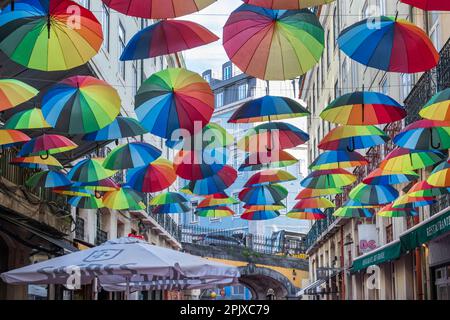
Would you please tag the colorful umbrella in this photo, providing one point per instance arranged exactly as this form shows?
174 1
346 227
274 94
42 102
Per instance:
392 44
268 108
192 165
314 203
380 176
166 37
215 212
217 199
86 202
157 9
28 119
46 145
429 5
425 135
46 35
131 155
272 136
97 186
166 198
440 176
174 99
401 160
8 137
267 159
14 92
36 162
389 212
216 183
287 4
406 201
154 177
259 215
269 176
121 127
338 159
351 138
349 212
265 207
73 191
306 214
351 203
48 179
325 179
263 195
313 193
123 199
80 104
363 108
89 170
170 208
373 194
424 189
273 44
438 107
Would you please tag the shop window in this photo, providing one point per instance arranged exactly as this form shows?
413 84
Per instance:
389 233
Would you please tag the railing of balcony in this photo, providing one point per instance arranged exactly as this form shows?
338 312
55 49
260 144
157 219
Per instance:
101 237
79 228
169 224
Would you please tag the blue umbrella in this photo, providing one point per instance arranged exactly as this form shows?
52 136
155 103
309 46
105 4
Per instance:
121 127
373 194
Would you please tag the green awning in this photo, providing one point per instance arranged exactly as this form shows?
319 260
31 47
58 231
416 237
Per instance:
426 231
383 254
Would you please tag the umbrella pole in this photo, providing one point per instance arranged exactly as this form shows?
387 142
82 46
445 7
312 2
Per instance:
127 289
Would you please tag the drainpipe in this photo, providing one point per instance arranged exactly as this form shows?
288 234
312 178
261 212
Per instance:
342 265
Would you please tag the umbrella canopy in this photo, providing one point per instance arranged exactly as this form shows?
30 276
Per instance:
269 176
123 199
73 191
440 176
89 170
166 37
216 183
430 5
380 176
28 119
351 138
313 193
211 137
46 145
36 162
131 155
14 92
287 5
350 212
263 195
306 214
214 212
390 212
217 199
268 207
325 179
157 9
425 135
401 160
267 159
272 136
195 165
86 202
438 107
373 194
171 208
259 215
363 108
424 189
314 203
351 203
273 44
395 45
174 99
406 201
338 159
101 185
120 260
121 127
41 35
167 198
48 179
154 177
268 108
8 137
80 104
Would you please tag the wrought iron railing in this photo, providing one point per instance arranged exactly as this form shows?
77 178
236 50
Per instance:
79 228
101 237
166 222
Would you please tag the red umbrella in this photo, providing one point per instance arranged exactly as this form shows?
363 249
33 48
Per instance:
429 5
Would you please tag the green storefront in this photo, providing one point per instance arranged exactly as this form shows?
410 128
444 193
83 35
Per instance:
389 252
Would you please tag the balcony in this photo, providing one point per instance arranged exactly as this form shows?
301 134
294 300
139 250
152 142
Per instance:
79 228
101 237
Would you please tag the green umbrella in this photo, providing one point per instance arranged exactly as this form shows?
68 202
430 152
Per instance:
167 197
48 179
123 199
86 202
89 170
28 119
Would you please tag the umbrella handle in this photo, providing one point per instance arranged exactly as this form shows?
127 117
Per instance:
48 25
47 155
12 5
352 148
438 146
97 195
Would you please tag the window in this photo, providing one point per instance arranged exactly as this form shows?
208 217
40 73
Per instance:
135 78
389 233
207 77
328 50
406 85
242 91
105 27
227 72
433 26
219 99
355 76
122 43
384 85
194 218
335 26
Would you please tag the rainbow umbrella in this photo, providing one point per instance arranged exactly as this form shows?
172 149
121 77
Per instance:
80 104
259 215
154 177
192 165
389 212
287 4
174 99
131 155
102 185
210 138
166 198
325 179
170 208
272 136
263 195
121 127
268 108
438 107
313 193
338 159
425 135
273 44
216 183
380 176
89 170
217 199
351 203
86 202
269 176
73 191
401 160
28 119
406 201
10 137
306 214
424 189
36 162
440 176
429 5
351 138
48 179
46 35
46 145
166 37
363 108
314 203
214 212
157 9
264 207
267 159
350 212
14 92
373 194
123 199
394 45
